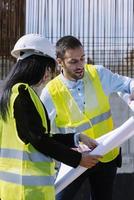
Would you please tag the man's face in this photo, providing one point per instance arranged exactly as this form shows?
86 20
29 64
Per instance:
73 63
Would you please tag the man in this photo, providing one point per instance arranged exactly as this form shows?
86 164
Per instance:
78 101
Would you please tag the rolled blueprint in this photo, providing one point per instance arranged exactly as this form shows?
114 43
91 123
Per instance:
106 143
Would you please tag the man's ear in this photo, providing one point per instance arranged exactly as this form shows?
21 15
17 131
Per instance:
59 61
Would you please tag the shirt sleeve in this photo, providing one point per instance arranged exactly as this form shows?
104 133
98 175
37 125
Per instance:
30 130
132 86
51 110
113 82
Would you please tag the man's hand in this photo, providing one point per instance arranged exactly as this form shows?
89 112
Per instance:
131 101
128 98
88 160
88 141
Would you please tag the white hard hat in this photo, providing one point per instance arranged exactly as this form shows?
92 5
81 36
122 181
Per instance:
33 44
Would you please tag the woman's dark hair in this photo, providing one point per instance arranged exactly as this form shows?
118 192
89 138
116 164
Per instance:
65 43
29 70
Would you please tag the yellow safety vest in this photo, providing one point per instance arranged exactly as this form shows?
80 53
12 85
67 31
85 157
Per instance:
25 173
95 121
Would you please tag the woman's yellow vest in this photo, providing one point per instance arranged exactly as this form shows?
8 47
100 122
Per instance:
25 173
95 121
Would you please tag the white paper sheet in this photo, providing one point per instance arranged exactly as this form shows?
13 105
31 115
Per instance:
106 143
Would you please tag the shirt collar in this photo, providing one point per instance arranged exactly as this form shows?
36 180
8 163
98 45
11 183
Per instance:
71 84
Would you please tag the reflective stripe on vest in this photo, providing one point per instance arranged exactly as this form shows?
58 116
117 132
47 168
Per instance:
101 118
86 126
27 180
17 154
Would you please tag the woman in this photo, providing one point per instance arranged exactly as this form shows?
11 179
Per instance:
26 145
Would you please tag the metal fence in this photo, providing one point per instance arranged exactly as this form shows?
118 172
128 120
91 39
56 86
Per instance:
105 27
12 26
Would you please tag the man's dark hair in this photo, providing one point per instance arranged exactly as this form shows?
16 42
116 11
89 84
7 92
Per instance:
65 43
